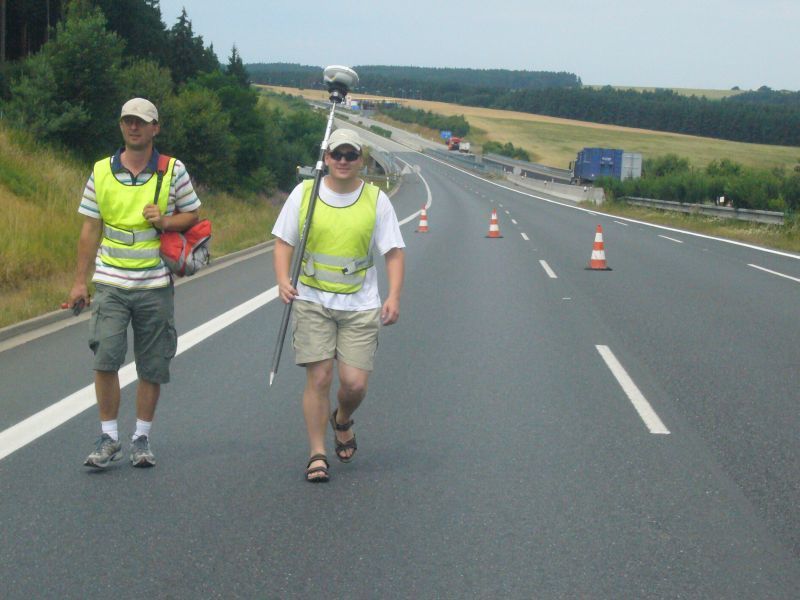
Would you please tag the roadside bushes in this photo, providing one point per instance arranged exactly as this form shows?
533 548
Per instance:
456 124
380 131
508 149
669 177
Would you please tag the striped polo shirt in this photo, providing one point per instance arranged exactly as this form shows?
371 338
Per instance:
182 198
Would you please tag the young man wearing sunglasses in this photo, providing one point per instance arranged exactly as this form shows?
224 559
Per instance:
337 309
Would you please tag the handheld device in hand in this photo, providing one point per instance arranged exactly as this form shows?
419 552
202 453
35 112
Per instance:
77 307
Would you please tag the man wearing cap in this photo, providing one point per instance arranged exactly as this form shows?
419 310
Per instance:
120 237
337 308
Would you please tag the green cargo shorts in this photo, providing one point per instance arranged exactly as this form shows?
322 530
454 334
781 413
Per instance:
151 315
320 333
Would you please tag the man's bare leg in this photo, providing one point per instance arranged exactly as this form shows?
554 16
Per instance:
316 407
352 390
106 387
147 394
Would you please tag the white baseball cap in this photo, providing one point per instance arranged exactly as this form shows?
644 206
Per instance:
139 107
344 137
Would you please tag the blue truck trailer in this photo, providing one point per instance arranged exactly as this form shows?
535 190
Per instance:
591 163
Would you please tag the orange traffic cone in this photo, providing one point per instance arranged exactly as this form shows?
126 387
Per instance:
494 228
598 260
423 221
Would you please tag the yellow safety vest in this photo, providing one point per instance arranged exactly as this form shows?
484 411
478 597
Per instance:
337 253
129 240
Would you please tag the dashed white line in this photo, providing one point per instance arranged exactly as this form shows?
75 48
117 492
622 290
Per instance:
670 239
640 403
774 272
550 273
524 236
621 223
514 221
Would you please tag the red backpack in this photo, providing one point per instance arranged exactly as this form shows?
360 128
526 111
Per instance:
184 252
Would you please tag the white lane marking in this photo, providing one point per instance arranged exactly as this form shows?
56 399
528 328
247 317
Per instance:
508 213
581 209
774 272
670 239
548 270
413 216
35 426
500 205
514 221
621 223
524 236
636 397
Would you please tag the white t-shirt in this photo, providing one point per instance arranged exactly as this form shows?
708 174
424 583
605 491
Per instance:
385 237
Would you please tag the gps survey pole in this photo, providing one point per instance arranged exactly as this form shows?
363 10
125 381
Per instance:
339 80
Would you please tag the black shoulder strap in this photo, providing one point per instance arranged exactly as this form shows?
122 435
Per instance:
163 165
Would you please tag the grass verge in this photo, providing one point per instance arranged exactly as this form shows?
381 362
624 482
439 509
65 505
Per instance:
40 192
785 237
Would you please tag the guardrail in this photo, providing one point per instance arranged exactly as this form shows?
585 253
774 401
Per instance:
724 212
469 161
529 169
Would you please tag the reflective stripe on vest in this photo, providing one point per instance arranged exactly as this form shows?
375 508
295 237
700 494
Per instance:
129 241
337 253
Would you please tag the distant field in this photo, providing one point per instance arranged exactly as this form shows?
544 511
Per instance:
710 94
553 141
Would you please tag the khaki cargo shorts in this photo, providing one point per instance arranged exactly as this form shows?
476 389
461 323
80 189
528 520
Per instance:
320 333
151 314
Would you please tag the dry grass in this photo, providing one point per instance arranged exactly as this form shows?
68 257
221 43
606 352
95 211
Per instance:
555 142
39 223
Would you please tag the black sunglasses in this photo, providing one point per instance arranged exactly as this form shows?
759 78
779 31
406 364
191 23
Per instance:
348 156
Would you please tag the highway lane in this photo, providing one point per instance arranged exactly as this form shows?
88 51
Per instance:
498 454
720 336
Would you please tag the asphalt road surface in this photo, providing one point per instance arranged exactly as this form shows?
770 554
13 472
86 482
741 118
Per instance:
532 428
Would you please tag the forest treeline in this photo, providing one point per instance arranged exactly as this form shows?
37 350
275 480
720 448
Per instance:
68 93
764 116
411 82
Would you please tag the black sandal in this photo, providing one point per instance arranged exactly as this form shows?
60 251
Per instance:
310 471
340 446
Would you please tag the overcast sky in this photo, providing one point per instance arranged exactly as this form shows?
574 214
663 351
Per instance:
714 44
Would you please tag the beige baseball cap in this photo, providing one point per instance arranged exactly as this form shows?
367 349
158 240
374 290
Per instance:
344 137
139 107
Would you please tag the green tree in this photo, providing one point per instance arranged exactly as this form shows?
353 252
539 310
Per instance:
187 55
139 23
196 130
145 79
664 165
236 69
70 91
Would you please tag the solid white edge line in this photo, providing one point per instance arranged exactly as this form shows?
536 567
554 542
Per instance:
35 426
548 270
774 272
670 239
427 189
591 212
640 403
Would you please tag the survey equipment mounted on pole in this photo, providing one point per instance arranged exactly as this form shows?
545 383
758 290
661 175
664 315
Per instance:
339 80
